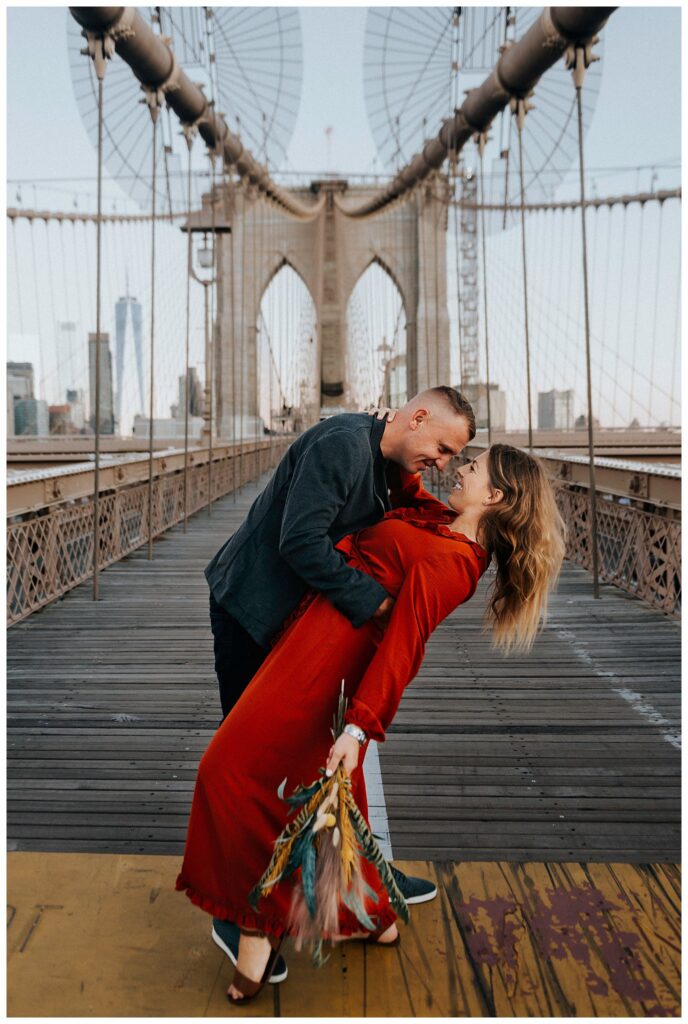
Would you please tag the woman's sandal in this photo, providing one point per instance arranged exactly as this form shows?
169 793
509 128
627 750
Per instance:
247 986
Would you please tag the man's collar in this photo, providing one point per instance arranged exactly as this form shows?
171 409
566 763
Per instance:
377 429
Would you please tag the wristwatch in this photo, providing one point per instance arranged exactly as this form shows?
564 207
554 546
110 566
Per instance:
358 734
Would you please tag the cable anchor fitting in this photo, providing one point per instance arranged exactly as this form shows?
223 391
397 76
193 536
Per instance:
520 106
579 57
154 95
481 140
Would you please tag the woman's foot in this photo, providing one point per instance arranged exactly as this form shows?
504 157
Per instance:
254 953
385 939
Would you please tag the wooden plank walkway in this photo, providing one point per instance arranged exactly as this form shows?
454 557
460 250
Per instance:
568 754
107 936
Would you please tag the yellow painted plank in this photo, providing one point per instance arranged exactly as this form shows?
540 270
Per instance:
107 935
335 990
432 962
114 939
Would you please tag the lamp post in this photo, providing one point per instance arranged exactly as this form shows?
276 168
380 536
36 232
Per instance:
206 262
207 221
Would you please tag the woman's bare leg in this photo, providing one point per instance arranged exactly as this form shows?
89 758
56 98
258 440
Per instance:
254 953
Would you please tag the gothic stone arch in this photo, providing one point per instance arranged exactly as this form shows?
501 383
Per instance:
329 253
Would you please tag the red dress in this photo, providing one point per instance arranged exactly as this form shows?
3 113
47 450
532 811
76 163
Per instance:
282 723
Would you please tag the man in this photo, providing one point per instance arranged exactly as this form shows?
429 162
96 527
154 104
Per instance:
330 482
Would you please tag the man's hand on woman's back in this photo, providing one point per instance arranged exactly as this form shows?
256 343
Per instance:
384 611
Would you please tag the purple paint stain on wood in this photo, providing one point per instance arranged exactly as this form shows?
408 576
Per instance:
572 922
574 918
499 946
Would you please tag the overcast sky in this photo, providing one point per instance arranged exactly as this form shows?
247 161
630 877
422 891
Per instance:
636 125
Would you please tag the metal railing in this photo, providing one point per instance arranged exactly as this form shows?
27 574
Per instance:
638 551
639 539
50 550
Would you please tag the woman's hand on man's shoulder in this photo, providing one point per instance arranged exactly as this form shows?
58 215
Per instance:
381 411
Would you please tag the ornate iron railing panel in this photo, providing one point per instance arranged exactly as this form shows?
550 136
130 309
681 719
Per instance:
639 548
638 551
51 551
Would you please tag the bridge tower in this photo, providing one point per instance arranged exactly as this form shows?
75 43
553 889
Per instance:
329 252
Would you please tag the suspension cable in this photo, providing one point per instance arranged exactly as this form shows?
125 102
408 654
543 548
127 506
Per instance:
210 330
98 52
677 343
41 356
654 323
637 311
17 277
189 136
232 297
481 140
154 110
579 60
520 107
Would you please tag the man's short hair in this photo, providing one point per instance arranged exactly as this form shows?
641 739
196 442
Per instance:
460 405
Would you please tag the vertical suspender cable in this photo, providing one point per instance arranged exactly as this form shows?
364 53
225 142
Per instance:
654 319
457 261
578 75
482 139
100 71
187 389
17 275
676 353
622 281
211 331
232 297
632 404
439 207
254 301
51 288
154 115
521 108
242 339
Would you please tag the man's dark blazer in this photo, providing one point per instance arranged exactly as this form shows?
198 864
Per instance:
330 482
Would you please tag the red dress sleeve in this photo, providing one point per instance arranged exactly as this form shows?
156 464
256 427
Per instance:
433 588
406 491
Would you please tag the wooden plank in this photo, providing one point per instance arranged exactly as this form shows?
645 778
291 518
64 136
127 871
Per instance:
111 704
109 936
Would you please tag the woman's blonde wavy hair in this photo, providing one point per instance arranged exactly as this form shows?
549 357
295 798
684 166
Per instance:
525 535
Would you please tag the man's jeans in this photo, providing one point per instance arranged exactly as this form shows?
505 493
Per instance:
237 655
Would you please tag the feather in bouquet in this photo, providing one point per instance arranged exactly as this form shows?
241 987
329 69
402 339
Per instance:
327 840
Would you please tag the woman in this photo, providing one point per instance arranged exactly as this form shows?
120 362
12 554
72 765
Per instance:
430 558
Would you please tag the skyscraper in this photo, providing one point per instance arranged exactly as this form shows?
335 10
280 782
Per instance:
195 394
31 417
20 379
555 410
107 419
128 310
19 389
75 399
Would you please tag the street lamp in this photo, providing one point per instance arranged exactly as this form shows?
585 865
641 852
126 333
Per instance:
205 254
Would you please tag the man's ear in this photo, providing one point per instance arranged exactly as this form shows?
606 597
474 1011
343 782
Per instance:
418 417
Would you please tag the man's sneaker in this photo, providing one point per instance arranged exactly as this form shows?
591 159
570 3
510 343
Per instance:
226 936
414 890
